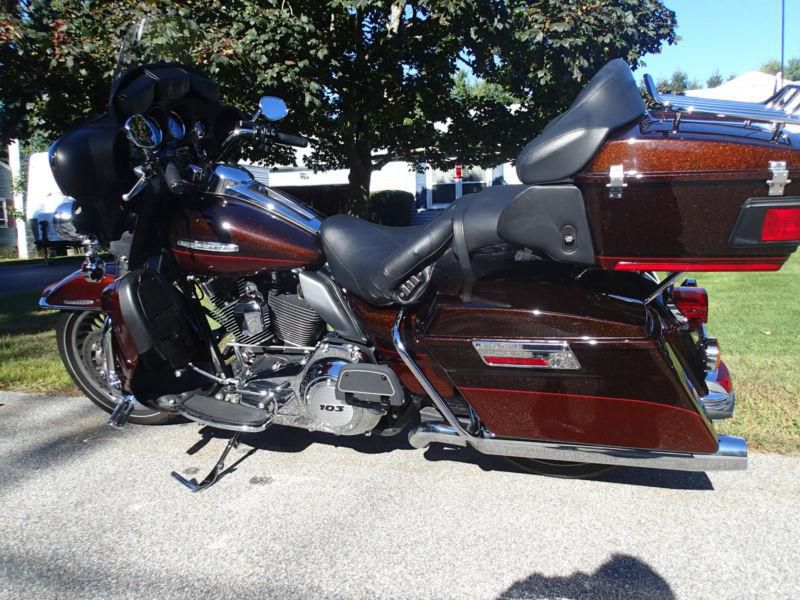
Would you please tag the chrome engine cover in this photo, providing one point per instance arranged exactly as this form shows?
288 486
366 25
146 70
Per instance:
313 404
318 392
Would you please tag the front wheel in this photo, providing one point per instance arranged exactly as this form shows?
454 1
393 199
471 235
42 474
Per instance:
79 337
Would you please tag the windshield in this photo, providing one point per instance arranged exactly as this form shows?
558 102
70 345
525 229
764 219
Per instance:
157 38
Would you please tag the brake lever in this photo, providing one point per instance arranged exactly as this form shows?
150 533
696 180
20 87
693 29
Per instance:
140 185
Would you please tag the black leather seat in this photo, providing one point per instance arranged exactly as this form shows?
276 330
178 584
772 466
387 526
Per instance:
610 100
372 261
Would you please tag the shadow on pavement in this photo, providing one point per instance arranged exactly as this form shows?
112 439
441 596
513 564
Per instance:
290 440
621 578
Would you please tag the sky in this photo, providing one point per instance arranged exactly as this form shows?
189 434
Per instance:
733 36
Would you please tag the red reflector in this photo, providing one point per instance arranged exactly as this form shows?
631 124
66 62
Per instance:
534 361
781 225
692 302
762 263
724 377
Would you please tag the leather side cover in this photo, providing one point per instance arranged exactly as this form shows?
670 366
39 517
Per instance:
550 219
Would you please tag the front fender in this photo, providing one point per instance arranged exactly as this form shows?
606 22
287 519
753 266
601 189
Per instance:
74 292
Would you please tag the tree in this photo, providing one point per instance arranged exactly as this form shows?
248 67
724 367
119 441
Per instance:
791 68
678 82
364 78
715 79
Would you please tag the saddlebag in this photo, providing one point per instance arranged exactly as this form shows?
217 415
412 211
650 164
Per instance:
581 361
694 197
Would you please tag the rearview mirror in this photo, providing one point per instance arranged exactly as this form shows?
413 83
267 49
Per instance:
143 132
273 109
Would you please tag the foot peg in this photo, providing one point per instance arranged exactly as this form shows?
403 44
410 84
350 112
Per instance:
215 473
121 412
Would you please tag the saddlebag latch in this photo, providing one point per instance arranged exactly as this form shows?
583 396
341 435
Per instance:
616 181
780 177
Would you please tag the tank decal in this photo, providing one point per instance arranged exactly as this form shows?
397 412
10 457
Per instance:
222 264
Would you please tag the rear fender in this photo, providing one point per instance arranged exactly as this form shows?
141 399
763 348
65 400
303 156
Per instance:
75 292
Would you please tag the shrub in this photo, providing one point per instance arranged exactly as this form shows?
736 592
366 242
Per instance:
392 207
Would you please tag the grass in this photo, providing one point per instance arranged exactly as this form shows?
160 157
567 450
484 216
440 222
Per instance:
29 359
756 316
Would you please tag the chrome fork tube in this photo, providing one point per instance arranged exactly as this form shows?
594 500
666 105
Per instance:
125 402
440 404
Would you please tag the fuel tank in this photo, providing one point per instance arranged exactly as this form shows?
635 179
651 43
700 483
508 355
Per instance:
241 226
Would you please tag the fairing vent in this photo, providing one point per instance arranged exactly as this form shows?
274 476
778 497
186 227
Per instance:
294 321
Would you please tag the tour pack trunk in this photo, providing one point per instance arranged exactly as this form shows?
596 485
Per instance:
575 361
698 195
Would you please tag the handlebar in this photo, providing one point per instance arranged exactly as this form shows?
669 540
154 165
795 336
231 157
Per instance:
173 178
259 133
291 140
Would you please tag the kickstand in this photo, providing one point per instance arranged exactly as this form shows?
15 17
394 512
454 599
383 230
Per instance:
215 473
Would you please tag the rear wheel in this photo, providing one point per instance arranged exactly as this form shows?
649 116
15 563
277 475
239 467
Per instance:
79 338
559 468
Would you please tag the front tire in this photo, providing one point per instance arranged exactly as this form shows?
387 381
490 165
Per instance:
79 339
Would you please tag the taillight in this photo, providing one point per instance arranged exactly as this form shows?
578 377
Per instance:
724 377
692 302
781 225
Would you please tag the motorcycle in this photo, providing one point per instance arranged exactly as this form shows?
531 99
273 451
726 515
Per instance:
525 321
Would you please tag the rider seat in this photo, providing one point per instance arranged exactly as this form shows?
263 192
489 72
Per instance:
373 261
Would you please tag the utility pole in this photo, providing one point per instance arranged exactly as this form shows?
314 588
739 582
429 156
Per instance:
22 232
783 36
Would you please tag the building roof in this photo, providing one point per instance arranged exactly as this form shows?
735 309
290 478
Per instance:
752 86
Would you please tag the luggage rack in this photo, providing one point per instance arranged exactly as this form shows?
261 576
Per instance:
780 109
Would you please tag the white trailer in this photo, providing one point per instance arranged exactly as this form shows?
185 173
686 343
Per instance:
45 203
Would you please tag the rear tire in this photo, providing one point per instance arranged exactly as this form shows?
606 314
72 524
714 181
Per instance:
560 468
78 335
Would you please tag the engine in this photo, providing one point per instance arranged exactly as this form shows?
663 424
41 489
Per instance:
262 310
270 311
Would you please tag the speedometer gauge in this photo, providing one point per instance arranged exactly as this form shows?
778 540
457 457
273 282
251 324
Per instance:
176 127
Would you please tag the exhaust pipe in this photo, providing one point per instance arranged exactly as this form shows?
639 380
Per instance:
730 456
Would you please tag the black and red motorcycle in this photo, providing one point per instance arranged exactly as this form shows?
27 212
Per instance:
525 321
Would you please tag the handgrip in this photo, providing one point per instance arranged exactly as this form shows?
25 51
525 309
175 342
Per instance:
291 140
175 182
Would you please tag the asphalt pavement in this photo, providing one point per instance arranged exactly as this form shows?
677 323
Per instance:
87 512
15 279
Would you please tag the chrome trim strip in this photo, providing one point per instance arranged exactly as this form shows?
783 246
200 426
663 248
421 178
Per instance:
544 349
437 400
276 206
730 456
208 246
44 304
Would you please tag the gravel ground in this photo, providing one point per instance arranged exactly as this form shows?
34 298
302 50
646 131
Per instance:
88 512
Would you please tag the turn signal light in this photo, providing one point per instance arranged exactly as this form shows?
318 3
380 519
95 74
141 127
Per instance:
709 349
724 376
692 302
781 225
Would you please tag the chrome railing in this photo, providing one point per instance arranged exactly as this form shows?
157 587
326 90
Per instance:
783 108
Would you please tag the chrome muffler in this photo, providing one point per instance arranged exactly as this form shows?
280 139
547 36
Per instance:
730 456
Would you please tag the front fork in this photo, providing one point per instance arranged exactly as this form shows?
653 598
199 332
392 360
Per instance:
125 402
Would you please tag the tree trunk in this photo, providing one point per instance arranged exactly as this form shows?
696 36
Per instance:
358 202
